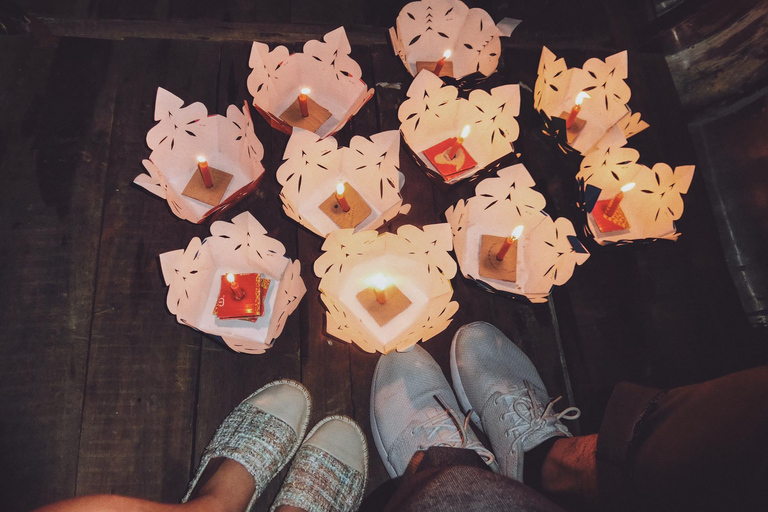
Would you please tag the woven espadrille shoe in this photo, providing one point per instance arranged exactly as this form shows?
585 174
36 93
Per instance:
330 471
262 433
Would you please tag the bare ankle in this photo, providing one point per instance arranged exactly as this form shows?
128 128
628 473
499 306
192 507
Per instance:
570 472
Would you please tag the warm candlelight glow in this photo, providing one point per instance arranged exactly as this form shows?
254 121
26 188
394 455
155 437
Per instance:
238 292
628 187
303 106
581 97
464 133
451 152
205 172
441 62
614 204
379 283
340 197
508 242
576 109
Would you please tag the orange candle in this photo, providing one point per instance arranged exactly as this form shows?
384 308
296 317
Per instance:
205 172
340 197
441 62
237 291
614 204
303 102
451 153
576 109
508 242
380 284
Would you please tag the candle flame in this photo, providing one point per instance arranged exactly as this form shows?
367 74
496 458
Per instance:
379 281
517 232
305 90
465 132
447 54
628 187
201 159
231 277
581 97
339 189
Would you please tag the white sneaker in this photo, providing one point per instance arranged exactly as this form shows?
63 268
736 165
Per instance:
413 408
494 379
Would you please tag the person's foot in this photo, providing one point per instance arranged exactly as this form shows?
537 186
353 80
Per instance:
414 408
261 434
330 470
494 379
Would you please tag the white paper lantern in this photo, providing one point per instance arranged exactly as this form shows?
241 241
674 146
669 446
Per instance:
193 276
547 250
607 119
313 167
415 261
650 207
333 77
184 133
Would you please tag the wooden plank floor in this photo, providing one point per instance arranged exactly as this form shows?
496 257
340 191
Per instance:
104 392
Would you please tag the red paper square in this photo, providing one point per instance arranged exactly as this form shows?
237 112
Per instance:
227 307
617 222
448 168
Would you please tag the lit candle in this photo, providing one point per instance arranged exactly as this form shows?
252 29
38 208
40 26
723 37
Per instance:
303 102
611 208
238 292
441 62
451 153
576 109
380 284
509 241
340 197
205 172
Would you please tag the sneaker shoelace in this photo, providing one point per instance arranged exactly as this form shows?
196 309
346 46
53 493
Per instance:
525 409
447 429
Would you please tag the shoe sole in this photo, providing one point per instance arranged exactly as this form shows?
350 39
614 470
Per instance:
375 430
458 387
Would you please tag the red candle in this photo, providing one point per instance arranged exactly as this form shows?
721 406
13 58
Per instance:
380 284
441 62
614 204
238 292
451 153
340 197
303 102
575 110
205 172
508 242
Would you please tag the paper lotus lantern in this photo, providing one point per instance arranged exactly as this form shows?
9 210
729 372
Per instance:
603 118
181 135
325 68
434 113
414 263
193 276
424 30
650 199
313 168
546 252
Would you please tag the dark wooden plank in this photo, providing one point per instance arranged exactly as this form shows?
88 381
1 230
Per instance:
227 377
142 374
134 10
232 11
54 145
333 13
